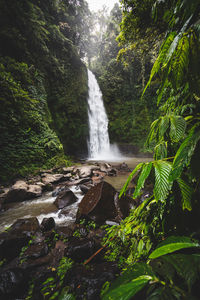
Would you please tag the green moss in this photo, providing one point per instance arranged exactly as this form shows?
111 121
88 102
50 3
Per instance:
43 89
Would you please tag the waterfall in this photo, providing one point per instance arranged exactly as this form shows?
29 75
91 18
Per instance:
99 144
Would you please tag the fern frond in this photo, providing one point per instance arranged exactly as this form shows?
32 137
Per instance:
186 192
162 183
146 169
177 129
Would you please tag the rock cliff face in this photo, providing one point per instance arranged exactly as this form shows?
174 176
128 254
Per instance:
43 86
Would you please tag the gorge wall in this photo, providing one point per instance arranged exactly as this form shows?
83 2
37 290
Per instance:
43 91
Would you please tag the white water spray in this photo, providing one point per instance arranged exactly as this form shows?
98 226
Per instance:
99 144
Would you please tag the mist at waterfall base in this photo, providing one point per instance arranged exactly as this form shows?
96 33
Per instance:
99 146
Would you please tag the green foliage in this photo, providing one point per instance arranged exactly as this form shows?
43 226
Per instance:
66 295
64 265
160 273
146 169
51 284
162 183
172 244
156 223
43 85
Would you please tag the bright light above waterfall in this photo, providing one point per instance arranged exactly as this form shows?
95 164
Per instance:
95 5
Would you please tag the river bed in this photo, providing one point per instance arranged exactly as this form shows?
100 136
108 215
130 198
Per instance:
43 206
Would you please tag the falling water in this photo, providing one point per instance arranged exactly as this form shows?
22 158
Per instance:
99 143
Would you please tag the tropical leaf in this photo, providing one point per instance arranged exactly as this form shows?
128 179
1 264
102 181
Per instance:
123 190
153 132
160 151
181 60
185 152
164 125
162 183
161 57
172 244
128 290
186 266
130 282
146 169
186 192
177 128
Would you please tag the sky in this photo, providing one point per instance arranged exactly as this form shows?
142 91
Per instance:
94 5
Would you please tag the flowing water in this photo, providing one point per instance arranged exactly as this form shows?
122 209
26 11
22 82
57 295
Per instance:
99 146
41 207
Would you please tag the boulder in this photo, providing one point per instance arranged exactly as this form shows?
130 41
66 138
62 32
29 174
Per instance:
52 178
124 205
67 170
17 237
12 283
79 181
58 190
36 250
11 245
80 249
48 224
25 226
65 198
21 191
86 171
90 279
98 204
84 188
112 172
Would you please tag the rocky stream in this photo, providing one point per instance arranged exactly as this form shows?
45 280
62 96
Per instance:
52 225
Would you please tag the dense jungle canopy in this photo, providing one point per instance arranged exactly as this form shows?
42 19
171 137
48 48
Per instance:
146 58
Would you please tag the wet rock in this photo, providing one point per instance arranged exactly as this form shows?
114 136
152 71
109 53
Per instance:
98 204
68 170
98 173
80 249
48 224
58 252
79 181
88 280
11 245
25 226
68 212
12 282
65 232
105 167
58 190
36 251
68 176
17 237
84 188
65 198
86 171
21 191
124 205
112 172
52 178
